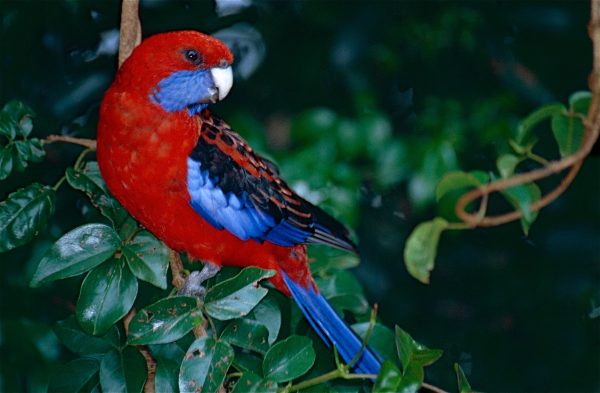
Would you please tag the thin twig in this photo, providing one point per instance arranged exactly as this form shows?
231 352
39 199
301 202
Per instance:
176 269
432 388
89 143
574 161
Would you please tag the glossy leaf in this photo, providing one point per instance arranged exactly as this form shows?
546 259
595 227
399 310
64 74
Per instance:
382 339
168 358
123 371
412 352
15 120
76 252
412 379
205 365
459 180
107 294
568 132
24 214
267 312
463 383
388 379
90 182
522 197
165 321
81 343
248 334
289 359
251 383
148 259
237 296
526 125
421 248
6 160
248 361
506 164
580 101
73 376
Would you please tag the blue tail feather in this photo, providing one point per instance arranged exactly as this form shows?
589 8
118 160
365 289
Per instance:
331 328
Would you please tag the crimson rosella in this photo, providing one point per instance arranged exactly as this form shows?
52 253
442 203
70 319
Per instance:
187 177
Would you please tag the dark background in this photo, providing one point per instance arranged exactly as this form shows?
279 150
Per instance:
449 79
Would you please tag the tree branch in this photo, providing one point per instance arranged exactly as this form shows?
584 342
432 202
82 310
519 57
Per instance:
574 161
89 143
130 34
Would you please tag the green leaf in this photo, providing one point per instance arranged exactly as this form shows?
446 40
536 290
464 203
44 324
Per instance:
338 262
81 343
76 252
580 101
165 321
251 383
205 365
90 182
382 339
388 379
148 259
237 296
412 352
73 376
506 164
421 248
248 361
526 125
267 312
6 160
107 294
248 334
463 383
15 119
412 379
568 132
356 304
123 371
168 358
522 197
24 214
289 359
457 181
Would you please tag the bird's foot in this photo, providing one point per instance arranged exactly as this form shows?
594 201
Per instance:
193 282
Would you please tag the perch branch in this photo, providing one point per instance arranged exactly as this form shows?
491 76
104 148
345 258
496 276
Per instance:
130 34
574 161
89 143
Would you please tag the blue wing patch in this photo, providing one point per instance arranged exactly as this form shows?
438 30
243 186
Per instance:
235 189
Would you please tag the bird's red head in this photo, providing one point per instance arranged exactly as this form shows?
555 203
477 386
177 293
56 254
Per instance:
179 70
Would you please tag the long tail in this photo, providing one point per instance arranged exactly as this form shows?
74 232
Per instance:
331 328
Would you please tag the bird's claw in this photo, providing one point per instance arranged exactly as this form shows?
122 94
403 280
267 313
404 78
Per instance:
193 283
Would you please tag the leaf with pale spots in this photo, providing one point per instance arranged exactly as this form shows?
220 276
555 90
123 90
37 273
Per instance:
237 296
247 334
107 294
164 321
289 359
205 365
148 259
251 383
76 252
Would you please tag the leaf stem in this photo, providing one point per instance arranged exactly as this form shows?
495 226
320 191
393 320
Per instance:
60 181
81 157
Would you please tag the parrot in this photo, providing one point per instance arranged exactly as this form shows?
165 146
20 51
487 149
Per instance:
197 185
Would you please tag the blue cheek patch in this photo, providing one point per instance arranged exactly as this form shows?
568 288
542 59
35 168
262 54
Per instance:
228 211
183 90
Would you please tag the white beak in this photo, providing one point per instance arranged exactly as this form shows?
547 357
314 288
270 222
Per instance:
223 80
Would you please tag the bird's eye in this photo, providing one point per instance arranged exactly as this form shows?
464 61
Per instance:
192 56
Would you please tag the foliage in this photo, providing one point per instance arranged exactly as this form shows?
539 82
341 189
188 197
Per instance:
567 129
368 108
